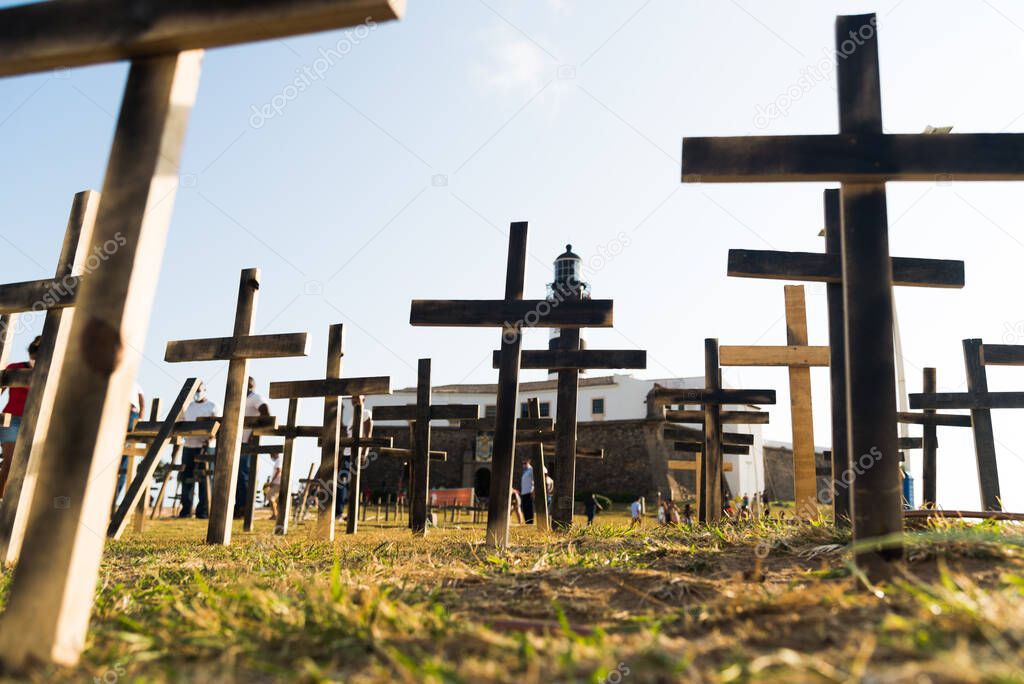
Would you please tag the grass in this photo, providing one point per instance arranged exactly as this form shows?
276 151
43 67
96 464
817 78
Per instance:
733 603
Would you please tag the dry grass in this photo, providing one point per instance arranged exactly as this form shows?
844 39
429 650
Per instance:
600 605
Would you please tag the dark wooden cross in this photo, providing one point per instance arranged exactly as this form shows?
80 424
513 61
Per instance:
356 443
827 268
862 158
511 314
712 397
419 415
799 357
568 359
54 295
409 454
691 440
237 350
331 388
980 401
930 420
47 614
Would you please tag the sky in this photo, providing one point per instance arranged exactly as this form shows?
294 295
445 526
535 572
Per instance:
395 171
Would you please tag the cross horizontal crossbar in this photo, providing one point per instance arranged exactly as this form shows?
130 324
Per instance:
487 424
910 443
668 395
243 347
51 35
792 356
943 419
36 295
330 387
679 464
968 400
366 442
854 158
687 434
16 377
257 449
698 448
182 428
523 313
814 267
1002 354
437 412
558 359
299 431
728 417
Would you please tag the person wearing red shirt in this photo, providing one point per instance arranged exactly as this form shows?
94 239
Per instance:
16 397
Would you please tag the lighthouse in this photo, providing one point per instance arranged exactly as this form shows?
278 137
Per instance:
568 284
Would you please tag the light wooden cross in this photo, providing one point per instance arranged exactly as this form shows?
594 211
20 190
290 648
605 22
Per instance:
568 360
712 397
929 420
980 401
799 358
331 388
54 295
862 158
237 350
136 490
511 314
50 600
419 415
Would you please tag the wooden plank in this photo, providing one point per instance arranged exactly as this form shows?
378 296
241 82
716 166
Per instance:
54 293
862 156
499 313
330 387
716 396
728 417
182 428
934 419
231 348
560 359
365 442
981 419
260 450
867 292
979 515
841 471
51 594
419 507
327 474
299 431
929 445
504 444
437 412
690 434
138 487
698 447
540 487
16 377
793 356
907 443
828 267
976 401
1002 354
50 35
805 479
229 442
711 486
284 495
355 470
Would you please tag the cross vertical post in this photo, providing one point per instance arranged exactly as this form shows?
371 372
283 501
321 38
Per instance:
841 494
327 475
711 474
929 463
540 472
421 445
981 419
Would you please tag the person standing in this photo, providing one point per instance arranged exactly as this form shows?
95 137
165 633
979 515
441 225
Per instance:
549 488
255 405
526 491
273 488
191 453
591 506
16 398
636 513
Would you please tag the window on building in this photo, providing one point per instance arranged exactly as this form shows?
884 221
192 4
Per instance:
524 410
597 406
545 409
490 410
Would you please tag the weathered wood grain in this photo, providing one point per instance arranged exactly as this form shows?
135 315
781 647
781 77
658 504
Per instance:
241 347
828 267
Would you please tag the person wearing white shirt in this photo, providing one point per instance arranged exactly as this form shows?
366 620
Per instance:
255 405
272 490
193 449
636 512
526 491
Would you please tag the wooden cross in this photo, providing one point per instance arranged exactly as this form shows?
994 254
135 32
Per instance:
695 466
980 401
237 350
511 314
50 601
55 295
330 388
356 443
862 158
929 419
137 489
419 415
799 358
568 360
410 454
712 397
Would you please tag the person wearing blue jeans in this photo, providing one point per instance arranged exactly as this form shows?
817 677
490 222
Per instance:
194 449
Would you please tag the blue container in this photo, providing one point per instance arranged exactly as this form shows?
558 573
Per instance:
908 492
